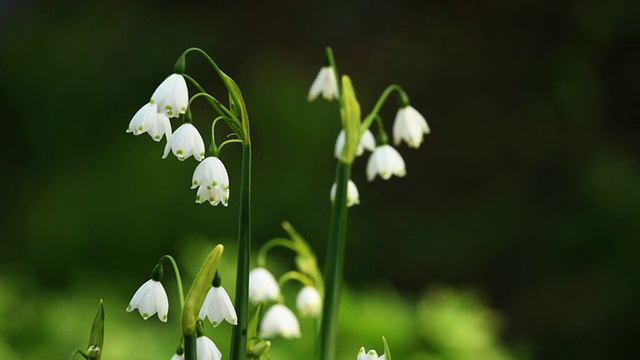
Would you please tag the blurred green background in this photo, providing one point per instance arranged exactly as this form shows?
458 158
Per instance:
515 233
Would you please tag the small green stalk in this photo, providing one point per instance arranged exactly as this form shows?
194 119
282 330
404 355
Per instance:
335 264
239 336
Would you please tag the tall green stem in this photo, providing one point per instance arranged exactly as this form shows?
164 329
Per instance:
335 263
239 338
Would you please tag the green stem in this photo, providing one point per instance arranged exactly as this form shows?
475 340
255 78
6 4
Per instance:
385 94
178 278
226 114
239 337
334 265
332 63
190 350
295 275
262 254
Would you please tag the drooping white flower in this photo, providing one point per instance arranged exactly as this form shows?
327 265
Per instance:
279 321
324 83
212 181
177 357
262 286
217 306
150 299
353 196
206 349
369 355
385 161
148 120
409 126
309 301
367 141
184 142
172 96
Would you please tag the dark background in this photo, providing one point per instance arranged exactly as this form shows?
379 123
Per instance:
527 190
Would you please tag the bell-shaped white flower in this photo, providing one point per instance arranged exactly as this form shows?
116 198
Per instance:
212 181
369 355
409 126
206 349
353 196
385 161
184 142
324 83
172 96
150 299
279 320
309 301
148 120
217 306
367 141
177 357
262 286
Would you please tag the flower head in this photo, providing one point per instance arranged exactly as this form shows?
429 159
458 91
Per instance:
369 355
148 120
367 141
212 181
177 357
353 197
385 161
172 96
410 127
149 299
309 301
324 83
206 349
279 320
217 306
184 142
262 286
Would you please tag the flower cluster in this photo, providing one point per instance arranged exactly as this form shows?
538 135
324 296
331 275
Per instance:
170 100
385 161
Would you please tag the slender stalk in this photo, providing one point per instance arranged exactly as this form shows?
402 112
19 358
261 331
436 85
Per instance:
239 336
385 94
176 271
190 351
334 265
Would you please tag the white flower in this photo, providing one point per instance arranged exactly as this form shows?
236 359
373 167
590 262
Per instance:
172 96
212 181
410 127
149 299
370 355
184 142
309 301
148 120
206 349
177 357
279 320
326 83
367 141
217 306
262 286
353 196
385 161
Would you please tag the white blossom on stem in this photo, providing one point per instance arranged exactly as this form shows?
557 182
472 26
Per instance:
353 196
262 286
172 96
217 306
309 301
177 357
184 142
385 161
324 83
409 126
279 321
367 142
206 349
212 181
369 355
150 299
148 120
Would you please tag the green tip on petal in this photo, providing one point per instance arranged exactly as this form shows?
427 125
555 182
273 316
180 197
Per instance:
215 183
215 323
145 316
179 152
212 199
